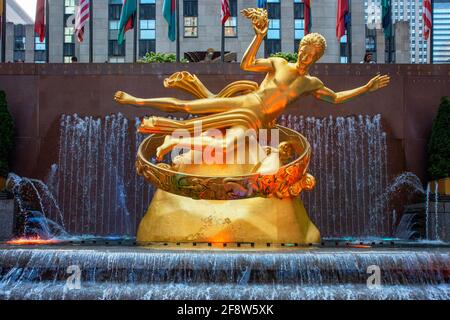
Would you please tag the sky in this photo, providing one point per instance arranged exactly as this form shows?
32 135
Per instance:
29 6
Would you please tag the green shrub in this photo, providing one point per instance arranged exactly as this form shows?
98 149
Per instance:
439 143
289 56
160 57
6 135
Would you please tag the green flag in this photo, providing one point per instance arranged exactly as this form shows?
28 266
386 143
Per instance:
169 15
386 16
126 18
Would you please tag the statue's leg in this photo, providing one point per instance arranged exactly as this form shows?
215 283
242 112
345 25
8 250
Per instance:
198 143
245 117
198 106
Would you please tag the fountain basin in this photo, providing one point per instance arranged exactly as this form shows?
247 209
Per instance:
138 273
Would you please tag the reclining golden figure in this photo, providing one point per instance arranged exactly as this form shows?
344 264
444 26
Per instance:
257 106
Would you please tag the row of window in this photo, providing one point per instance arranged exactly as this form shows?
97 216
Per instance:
147 29
147 34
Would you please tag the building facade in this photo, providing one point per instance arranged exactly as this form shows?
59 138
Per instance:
200 29
409 11
441 32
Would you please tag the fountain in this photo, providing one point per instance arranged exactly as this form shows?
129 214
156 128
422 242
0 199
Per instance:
83 220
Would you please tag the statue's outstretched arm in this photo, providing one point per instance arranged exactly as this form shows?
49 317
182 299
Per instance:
260 25
329 95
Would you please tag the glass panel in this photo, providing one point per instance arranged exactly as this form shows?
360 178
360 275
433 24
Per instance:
148 34
147 12
299 33
146 46
190 8
273 34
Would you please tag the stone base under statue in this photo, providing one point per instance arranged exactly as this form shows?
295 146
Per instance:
174 218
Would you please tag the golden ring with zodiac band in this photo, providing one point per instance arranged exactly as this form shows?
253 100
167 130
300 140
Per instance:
287 182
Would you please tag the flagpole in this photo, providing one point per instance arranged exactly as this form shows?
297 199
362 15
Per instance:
222 50
392 34
47 33
135 32
4 32
431 32
177 24
349 32
91 32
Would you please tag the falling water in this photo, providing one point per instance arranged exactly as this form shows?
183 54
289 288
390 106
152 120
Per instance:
436 216
35 204
95 181
146 274
430 206
349 161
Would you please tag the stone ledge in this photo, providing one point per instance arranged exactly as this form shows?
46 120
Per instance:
218 69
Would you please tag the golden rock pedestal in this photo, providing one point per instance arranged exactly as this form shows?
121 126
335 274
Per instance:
261 208
259 220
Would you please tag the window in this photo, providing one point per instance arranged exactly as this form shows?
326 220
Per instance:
69 38
231 23
343 49
299 23
190 14
273 41
147 27
371 41
19 43
116 52
39 51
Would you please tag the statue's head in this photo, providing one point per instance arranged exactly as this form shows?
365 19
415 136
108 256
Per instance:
311 48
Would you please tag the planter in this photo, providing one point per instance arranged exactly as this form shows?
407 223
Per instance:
443 186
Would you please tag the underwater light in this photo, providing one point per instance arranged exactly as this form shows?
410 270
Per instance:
32 241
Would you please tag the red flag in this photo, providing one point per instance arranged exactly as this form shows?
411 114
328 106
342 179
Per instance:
427 18
225 11
342 12
39 24
307 11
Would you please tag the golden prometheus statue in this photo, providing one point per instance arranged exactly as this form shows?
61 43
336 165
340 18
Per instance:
250 196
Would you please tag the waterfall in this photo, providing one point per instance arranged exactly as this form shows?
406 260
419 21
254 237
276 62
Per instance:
145 274
95 181
349 161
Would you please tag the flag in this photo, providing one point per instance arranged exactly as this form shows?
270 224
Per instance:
307 15
39 24
169 8
386 18
126 18
225 11
427 18
81 18
262 3
342 17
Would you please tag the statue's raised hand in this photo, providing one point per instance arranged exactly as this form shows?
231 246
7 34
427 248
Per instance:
378 82
259 19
